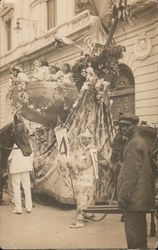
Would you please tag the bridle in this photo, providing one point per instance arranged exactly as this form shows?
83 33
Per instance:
13 134
3 147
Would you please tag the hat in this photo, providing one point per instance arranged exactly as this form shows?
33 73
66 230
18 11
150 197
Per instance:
86 134
131 119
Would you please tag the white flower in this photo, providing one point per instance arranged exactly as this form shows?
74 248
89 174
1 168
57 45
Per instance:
98 84
19 87
38 110
31 106
75 104
23 85
106 83
85 86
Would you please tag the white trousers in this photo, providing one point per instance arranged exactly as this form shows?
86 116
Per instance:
24 179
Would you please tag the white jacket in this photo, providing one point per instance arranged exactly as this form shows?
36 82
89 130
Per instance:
19 163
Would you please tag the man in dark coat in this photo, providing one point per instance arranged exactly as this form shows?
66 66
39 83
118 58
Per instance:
135 184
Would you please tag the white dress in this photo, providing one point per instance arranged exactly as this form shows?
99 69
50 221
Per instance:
43 73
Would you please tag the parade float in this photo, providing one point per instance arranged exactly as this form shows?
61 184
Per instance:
43 102
66 109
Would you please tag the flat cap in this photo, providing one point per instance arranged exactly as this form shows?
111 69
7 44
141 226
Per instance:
128 119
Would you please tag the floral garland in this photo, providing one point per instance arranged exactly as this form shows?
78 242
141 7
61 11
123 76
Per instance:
105 65
18 95
20 90
100 86
22 95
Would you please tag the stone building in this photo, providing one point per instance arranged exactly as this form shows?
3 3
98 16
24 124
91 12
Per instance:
28 30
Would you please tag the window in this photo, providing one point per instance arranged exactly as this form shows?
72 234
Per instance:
51 13
8 34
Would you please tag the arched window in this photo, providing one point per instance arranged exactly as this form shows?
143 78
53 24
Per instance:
125 79
122 92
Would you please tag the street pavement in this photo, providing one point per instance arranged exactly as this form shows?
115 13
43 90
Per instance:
47 227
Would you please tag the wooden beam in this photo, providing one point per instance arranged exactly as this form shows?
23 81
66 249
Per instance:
110 209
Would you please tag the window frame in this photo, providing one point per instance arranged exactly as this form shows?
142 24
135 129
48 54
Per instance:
51 14
8 30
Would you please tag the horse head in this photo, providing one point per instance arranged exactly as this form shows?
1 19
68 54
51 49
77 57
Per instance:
20 135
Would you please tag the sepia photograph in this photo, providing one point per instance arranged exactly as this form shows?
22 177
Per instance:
78 124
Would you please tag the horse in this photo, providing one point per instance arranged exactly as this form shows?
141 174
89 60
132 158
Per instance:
150 135
13 133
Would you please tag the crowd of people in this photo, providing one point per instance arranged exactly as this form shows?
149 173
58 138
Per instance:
135 182
43 71
135 189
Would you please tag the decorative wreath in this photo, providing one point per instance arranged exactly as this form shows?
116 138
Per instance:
18 96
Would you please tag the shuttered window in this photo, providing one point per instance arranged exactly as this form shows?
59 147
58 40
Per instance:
51 13
8 34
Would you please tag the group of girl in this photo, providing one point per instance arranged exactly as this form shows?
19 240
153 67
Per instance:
44 72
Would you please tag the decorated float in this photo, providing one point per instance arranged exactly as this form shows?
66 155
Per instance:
66 108
43 102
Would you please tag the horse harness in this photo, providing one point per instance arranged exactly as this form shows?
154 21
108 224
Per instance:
12 134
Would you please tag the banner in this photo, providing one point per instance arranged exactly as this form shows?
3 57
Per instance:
62 141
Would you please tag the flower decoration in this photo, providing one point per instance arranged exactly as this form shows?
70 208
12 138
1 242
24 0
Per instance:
18 97
100 88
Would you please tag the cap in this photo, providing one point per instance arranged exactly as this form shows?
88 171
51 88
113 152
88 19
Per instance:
131 119
86 134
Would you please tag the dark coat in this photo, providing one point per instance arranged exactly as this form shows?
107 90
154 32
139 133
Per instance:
135 182
117 148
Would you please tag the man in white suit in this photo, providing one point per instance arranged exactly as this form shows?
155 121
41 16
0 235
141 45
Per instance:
19 168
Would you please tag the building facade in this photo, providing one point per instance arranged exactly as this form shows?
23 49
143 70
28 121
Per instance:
29 30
